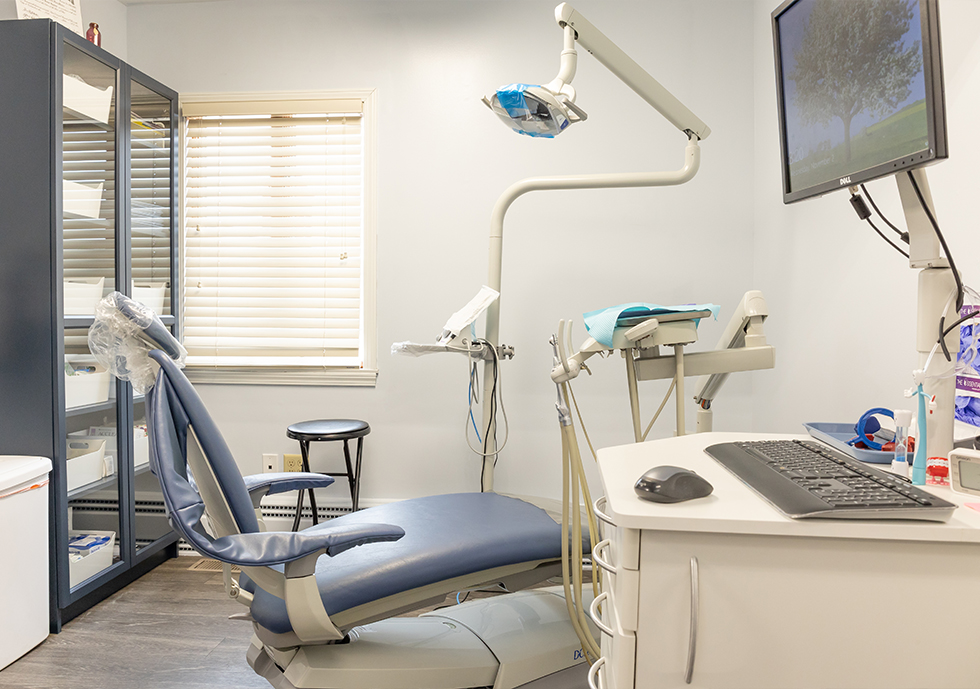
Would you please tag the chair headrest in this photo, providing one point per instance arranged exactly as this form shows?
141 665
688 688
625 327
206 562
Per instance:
122 336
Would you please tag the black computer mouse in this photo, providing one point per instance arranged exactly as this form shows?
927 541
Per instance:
671 484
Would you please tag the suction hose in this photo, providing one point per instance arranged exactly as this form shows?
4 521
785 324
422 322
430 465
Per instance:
574 485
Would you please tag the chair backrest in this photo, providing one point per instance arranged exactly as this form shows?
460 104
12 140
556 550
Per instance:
181 429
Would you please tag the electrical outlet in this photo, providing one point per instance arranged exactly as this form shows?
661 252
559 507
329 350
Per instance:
292 463
270 464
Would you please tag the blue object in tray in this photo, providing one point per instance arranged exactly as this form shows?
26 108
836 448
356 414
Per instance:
86 543
837 434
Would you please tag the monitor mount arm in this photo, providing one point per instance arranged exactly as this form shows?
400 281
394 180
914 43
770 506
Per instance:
620 64
936 283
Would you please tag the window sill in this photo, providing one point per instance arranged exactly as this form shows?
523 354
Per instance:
254 375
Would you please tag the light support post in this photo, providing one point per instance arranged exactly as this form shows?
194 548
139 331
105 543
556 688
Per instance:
692 159
576 28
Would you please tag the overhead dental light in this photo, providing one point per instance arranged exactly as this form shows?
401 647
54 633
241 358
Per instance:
534 110
542 111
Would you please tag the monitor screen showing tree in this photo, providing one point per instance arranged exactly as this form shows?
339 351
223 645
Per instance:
853 88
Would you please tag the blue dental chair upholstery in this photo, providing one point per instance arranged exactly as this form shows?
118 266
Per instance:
412 552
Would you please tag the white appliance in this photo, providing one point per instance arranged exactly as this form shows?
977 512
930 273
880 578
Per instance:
24 564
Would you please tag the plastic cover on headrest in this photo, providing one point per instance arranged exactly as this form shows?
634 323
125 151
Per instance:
124 333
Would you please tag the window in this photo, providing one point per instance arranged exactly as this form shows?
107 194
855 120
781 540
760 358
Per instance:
278 240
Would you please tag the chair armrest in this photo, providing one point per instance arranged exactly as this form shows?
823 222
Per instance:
260 485
279 547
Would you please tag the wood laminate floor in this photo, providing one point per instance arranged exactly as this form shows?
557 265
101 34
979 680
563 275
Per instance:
167 630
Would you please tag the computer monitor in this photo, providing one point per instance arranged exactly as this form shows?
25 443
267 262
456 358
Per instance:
860 91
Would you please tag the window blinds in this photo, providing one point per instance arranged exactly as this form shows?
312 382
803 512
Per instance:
90 232
273 233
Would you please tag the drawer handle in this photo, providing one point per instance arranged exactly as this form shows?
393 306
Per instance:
599 513
695 610
594 673
598 560
597 617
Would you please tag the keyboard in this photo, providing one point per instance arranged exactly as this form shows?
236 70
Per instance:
804 479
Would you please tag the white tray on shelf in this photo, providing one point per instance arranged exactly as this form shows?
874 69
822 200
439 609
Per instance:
86 462
82 200
82 295
141 447
141 442
91 102
87 388
151 294
82 566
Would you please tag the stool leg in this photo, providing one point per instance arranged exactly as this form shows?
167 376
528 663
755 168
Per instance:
305 448
351 478
299 504
357 472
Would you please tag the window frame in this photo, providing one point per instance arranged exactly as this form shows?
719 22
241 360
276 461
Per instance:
318 375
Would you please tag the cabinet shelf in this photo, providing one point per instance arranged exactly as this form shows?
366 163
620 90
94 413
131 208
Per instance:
90 408
105 482
74 322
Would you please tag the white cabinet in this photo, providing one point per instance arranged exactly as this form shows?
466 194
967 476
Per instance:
781 604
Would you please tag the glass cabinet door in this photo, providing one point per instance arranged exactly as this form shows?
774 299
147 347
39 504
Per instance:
152 171
89 244
151 515
92 455
89 160
152 176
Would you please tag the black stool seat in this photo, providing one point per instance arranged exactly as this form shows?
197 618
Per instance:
328 429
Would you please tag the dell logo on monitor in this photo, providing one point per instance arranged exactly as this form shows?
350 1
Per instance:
845 180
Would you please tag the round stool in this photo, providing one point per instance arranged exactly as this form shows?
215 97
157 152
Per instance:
328 430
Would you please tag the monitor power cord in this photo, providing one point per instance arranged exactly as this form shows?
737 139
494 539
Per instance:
864 213
903 235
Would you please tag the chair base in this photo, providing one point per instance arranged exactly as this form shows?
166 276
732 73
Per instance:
458 647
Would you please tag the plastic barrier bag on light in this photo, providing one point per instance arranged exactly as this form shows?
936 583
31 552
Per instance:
124 333
529 110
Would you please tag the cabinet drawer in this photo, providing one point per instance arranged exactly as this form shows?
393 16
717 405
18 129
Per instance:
616 578
618 648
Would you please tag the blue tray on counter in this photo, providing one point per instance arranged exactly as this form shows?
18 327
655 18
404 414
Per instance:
837 434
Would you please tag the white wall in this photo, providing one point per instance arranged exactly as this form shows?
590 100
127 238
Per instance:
110 15
843 301
443 161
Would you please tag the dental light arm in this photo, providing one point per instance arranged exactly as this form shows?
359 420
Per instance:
623 66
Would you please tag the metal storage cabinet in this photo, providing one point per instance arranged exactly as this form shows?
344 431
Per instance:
88 205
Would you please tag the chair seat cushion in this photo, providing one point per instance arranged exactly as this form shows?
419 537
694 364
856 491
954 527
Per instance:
446 536
328 429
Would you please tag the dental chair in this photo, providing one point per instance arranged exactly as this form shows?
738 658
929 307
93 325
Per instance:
323 601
